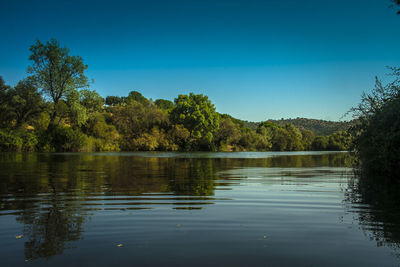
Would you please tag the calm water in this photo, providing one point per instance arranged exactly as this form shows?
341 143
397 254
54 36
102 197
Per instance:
193 209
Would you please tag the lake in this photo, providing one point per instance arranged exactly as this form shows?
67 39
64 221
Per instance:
193 209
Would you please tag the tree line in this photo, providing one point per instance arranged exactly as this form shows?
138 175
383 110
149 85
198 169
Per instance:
53 109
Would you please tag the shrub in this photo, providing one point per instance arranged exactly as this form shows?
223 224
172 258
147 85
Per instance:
10 142
67 139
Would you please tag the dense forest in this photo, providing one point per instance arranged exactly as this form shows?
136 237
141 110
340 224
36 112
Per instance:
53 109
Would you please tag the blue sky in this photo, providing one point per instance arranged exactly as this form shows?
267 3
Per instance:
255 59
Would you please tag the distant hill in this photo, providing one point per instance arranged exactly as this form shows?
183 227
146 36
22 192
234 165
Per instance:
248 124
319 127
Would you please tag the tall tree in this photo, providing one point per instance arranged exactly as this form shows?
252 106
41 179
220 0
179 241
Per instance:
55 72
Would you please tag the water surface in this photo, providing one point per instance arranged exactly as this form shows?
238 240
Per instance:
192 209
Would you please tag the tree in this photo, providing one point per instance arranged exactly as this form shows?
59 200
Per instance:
134 120
115 100
295 138
91 100
138 97
228 134
26 102
320 143
20 104
55 72
307 138
278 136
77 113
197 114
164 104
339 141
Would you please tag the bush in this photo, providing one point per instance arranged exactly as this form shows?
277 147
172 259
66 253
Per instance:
67 139
29 140
10 142
377 132
378 146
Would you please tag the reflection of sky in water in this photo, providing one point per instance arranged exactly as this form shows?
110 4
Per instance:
237 210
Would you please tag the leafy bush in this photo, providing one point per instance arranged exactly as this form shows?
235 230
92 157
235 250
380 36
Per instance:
377 132
29 140
67 139
10 142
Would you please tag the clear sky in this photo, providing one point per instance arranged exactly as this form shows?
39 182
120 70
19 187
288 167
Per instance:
255 59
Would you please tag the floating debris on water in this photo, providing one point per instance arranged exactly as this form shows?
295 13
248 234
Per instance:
178 225
19 236
265 236
120 245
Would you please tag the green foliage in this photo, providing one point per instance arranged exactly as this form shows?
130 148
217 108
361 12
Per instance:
10 142
295 138
105 136
115 100
77 112
67 139
179 137
281 138
197 114
320 143
377 133
318 127
19 105
91 100
3 91
56 72
41 123
339 141
70 118
228 135
155 140
253 141
137 97
29 139
307 139
26 102
164 104
5 101
17 140
134 120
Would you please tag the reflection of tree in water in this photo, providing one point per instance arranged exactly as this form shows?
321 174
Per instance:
381 220
49 193
193 177
53 194
49 231
38 187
